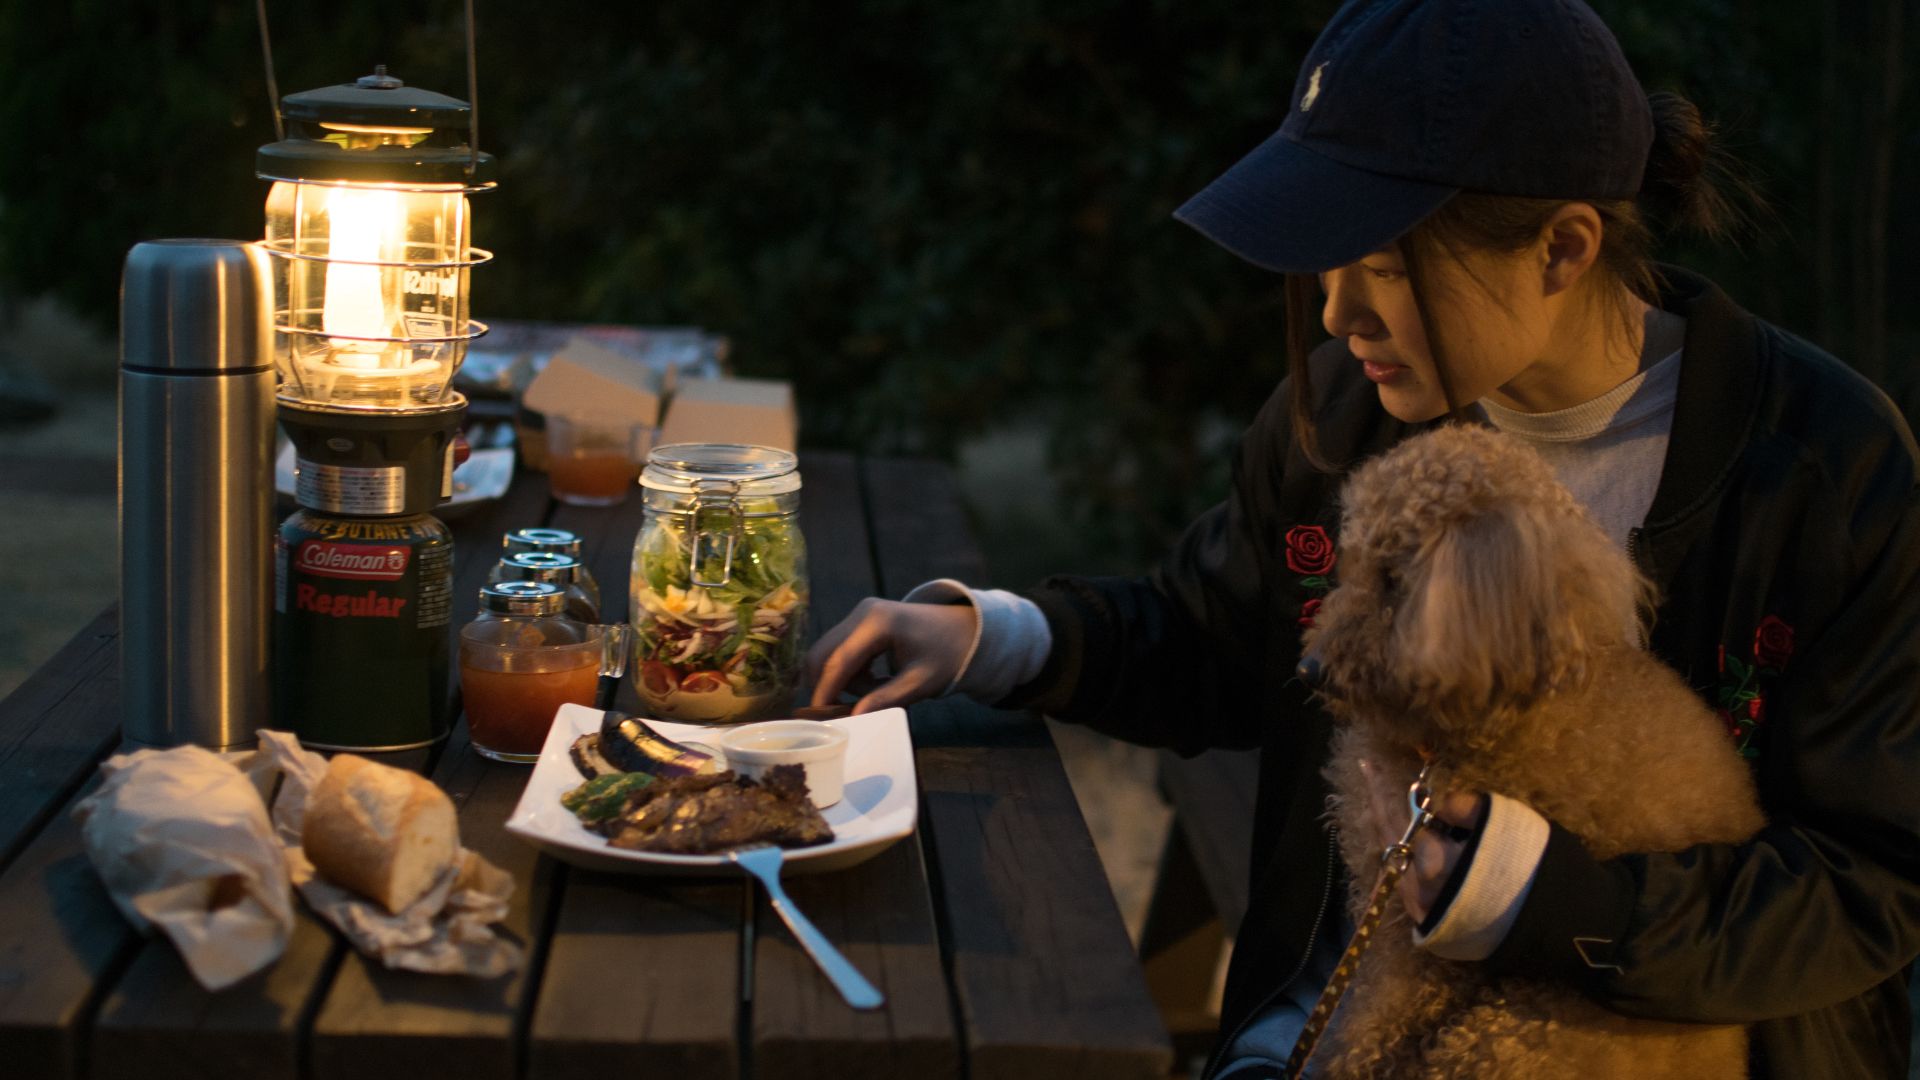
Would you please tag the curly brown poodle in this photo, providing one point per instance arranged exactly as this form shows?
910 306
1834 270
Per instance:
1482 618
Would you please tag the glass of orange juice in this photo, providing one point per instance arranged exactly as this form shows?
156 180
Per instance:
594 460
519 662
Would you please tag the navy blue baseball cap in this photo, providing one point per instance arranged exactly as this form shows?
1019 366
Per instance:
1403 103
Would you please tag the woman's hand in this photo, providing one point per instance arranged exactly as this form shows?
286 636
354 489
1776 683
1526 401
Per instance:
926 644
1434 855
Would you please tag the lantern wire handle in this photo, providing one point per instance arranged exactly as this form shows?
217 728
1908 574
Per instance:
473 86
273 85
473 101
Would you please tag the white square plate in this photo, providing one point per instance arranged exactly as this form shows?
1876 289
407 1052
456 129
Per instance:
881 802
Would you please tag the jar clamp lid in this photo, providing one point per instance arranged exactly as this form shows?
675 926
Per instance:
543 566
682 468
555 540
523 598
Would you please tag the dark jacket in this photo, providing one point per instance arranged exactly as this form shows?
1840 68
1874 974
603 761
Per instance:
1786 545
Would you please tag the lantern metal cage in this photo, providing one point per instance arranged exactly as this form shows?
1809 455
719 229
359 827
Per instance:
368 226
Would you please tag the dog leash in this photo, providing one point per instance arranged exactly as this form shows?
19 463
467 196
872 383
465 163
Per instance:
1393 864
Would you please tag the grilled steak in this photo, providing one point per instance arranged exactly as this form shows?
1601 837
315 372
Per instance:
714 812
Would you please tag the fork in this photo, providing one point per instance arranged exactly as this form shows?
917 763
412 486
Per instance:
764 863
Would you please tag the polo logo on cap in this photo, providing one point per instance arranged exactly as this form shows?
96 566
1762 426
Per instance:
1313 89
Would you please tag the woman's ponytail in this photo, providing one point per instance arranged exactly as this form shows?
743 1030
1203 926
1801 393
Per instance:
1692 183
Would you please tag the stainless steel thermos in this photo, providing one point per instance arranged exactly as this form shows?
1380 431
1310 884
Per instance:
196 492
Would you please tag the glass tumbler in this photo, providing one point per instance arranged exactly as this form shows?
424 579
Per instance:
593 460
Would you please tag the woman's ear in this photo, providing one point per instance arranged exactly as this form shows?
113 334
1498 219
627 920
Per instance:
1573 235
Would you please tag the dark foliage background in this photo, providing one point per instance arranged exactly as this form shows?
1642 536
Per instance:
933 218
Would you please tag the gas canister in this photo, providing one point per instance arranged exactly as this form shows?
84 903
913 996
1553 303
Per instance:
362 610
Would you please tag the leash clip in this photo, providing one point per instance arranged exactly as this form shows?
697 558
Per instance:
1420 803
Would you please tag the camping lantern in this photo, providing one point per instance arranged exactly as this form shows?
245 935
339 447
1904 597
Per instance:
368 224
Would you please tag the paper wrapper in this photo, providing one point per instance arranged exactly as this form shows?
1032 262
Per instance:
185 843
447 931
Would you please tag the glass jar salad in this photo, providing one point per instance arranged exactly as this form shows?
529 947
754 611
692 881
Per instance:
719 596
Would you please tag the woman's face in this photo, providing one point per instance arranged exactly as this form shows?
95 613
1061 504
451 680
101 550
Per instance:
1495 327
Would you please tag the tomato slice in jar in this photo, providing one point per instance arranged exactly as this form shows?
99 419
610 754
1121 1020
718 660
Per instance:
657 678
701 682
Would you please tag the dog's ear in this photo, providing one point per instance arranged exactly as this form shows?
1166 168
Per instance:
1510 605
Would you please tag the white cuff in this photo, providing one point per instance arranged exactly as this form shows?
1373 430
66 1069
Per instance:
1489 900
1011 639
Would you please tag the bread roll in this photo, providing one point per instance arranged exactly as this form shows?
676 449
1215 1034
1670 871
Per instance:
383 832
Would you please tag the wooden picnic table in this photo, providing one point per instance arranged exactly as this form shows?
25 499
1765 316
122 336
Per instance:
992 931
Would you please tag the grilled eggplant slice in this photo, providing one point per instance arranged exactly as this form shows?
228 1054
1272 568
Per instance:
588 759
629 744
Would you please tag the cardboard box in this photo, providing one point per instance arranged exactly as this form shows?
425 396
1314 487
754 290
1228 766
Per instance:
585 379
502 363
588 379
757 411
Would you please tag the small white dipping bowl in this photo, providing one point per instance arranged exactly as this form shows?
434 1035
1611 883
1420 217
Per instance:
821 749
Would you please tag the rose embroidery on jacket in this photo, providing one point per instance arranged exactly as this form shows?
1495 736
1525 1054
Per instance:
1741 699
1772 643
1310 553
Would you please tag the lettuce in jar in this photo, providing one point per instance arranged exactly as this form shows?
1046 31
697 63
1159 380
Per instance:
720 653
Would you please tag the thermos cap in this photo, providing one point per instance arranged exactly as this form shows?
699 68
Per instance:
196 306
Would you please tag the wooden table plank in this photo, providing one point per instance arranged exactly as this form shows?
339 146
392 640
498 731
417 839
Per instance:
1041 961
833 518
634 971
918 523
879 913
61 942
159 1024
636 964
374 1021
55 727
1042 969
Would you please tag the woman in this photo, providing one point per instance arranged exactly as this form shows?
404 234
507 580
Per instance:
1471 186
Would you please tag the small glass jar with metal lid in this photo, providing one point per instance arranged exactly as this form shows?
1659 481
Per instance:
719 591
552 541
561 570
521 659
